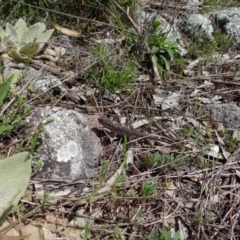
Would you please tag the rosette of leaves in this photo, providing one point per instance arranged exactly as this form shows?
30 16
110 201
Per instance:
163 48
21 42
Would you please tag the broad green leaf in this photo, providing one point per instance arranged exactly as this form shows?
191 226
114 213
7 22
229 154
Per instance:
9 44
29 49
20 27
15 173
11 33
17 56
2 33
44 37
33 32
153 235
14 77
4 88
5 128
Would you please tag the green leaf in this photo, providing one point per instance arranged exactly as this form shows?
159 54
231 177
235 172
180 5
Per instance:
170 53
160 69
5 128
166 63
10 32
4 88
15 173
153 235
173 38
33 32
18 56
44 37
30 49
21 28
2 33
154 49
155 26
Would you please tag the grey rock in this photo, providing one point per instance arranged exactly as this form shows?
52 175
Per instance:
225 15
229 21
197 27
70 145
166 99
147 18
41 82
44 83
227 113
64 41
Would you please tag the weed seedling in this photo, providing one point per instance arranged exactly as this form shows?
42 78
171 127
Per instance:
86 232
232 143
162 47
46 197
149 188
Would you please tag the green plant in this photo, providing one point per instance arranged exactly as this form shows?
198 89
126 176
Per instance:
46 197
21 42
86 232
15 78
163 47
117 234
12 120
232 143
204 163
164 235
19 208
208 5
149 188
110 71
205 51
104 169
121 176
17 9
4 88
172 160
199 218
12 186
33 143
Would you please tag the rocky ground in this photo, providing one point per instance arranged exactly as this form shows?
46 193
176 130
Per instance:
123 148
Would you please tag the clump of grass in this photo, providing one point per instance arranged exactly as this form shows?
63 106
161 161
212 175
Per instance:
110 71
208 5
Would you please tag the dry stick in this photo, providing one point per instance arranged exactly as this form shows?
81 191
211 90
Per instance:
29 214
154 64
231 203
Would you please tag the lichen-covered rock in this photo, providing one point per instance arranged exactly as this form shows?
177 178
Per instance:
229 21
69 146
226 113
197 27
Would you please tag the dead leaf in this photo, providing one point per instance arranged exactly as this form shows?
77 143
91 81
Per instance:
66 31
